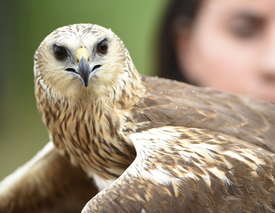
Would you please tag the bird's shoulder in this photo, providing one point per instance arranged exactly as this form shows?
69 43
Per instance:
172 103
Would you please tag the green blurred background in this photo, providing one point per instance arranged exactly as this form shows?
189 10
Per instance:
24 24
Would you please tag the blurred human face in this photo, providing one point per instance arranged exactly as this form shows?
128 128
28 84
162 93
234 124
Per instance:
231 47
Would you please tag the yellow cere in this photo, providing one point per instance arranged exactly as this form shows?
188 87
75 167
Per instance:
82 51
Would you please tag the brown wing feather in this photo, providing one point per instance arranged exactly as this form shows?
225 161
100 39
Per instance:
172 103
48 184
191 170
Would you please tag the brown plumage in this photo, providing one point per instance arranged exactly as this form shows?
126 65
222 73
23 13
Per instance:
149 144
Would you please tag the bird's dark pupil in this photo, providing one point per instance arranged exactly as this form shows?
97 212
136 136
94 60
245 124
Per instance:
102 47
59 52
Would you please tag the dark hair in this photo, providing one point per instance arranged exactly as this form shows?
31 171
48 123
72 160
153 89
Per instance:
167 62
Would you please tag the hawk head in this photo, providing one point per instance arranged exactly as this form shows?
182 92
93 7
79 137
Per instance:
83 61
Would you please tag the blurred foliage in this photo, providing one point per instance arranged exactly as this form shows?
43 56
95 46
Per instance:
24 24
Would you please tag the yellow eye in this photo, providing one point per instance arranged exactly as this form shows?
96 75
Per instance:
59 52
102 47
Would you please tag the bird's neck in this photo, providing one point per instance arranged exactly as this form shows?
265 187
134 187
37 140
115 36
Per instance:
92 135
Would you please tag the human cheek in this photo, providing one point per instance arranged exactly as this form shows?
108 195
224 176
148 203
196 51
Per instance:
231 66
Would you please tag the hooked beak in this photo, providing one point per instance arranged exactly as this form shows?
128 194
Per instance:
83 66
83 69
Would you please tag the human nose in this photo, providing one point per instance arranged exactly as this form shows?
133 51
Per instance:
268 60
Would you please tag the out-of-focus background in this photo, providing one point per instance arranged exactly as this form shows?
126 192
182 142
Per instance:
24 24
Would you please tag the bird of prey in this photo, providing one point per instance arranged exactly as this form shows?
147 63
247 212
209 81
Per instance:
147 144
